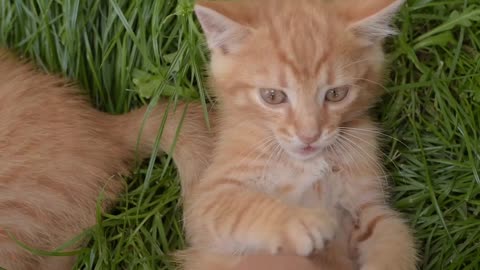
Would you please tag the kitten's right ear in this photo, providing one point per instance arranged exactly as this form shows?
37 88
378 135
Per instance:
370 19
221 31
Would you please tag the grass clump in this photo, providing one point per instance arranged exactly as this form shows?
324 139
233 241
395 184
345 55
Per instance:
125 52
433 108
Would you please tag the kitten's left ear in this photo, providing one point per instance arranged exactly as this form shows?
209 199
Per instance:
371 19
221 28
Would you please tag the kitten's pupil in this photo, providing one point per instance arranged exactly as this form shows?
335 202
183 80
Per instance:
273 96
337 94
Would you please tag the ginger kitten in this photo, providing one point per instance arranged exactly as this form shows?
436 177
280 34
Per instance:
58 154
296 166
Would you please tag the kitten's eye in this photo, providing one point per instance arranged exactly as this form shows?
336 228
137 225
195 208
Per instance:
273 96
337 94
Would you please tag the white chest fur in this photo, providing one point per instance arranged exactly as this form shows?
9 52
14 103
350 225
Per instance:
296 183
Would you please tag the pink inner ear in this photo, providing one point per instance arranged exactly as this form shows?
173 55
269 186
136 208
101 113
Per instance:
210 25
222 32
369 19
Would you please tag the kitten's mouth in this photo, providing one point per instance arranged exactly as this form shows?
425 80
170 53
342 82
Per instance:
306 152
302 152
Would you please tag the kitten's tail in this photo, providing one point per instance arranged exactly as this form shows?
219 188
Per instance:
184 130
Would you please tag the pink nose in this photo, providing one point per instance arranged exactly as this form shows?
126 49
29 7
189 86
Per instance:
309 138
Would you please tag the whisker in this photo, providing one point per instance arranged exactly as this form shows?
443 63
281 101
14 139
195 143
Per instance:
370 81
371 161
374 131
342 68
341 144
280 153
373 146
267 164
263 145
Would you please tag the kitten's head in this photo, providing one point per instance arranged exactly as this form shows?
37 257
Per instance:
302 69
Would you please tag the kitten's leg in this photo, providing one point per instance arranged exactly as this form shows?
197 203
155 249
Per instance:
383 240
232 218
333 257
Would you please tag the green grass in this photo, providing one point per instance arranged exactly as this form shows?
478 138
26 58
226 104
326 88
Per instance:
126 51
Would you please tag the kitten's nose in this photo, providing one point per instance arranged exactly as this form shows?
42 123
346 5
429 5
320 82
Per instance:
309 138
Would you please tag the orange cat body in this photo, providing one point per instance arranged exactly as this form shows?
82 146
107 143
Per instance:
296 154
59 157
295 169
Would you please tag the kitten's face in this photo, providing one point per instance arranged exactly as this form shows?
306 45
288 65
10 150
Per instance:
305 115
303 101
298 71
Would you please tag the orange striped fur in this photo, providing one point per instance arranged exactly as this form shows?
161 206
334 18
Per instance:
58 154
296 177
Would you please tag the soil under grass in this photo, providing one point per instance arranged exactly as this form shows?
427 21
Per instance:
127 51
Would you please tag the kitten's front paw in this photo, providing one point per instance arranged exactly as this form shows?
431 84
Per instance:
305 231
